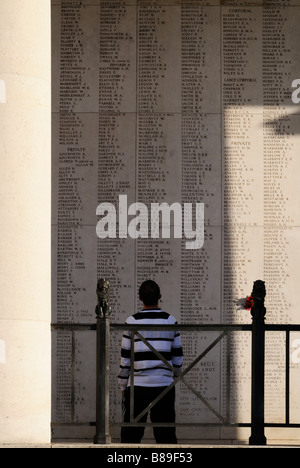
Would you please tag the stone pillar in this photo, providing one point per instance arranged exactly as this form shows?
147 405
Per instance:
25 198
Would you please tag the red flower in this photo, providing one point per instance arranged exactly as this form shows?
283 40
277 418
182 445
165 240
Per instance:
249 303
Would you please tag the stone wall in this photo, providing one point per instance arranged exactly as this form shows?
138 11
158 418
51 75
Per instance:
183 102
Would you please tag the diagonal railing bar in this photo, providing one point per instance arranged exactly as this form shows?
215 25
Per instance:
213 344
180 376
157 353
204 401
153 403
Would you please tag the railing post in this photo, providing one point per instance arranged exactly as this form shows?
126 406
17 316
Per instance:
258 313
102 435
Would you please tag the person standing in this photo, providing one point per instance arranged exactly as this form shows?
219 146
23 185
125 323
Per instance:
151 375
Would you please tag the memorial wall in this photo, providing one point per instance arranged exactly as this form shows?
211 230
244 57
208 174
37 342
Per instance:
186 102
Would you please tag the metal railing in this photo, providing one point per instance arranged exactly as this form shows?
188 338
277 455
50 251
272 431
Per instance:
258 328
224 331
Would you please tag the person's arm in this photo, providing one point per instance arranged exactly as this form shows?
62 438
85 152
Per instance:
124 371
177 352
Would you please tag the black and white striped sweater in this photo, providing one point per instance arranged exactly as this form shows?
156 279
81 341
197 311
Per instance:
149 371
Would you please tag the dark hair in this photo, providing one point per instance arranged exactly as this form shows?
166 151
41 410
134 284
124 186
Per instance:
149 293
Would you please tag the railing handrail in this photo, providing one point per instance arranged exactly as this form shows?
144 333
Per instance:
183 326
